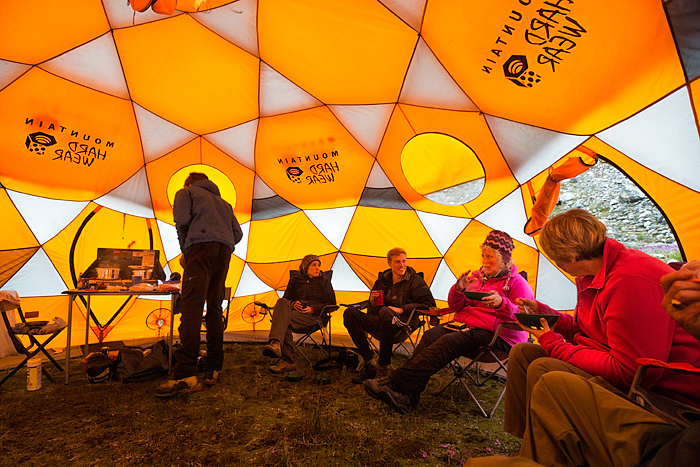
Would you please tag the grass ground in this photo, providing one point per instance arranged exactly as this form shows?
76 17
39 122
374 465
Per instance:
250 418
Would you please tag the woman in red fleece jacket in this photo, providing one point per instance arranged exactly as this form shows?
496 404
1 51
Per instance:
618 318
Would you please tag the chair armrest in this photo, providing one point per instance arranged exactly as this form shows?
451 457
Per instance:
361 305
434 311
512 325
262 305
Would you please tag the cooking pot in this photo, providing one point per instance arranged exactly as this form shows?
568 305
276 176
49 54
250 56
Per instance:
107 273
143 272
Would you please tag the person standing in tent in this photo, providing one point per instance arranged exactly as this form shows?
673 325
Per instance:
397 292
618 319
208 231
307 293
441 344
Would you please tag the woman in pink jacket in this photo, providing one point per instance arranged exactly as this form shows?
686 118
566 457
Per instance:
618 318
440 345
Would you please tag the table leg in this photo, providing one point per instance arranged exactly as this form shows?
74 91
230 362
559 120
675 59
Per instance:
68 334
87 327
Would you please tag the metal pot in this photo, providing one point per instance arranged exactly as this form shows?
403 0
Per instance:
144 273
107 273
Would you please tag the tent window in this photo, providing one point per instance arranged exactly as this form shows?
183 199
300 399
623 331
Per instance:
443 169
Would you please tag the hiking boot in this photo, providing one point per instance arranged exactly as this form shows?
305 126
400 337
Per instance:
400 402
369 371
211 377
283 367
174 387
273 349
374 386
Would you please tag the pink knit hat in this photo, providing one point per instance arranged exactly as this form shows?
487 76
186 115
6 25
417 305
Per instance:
501 241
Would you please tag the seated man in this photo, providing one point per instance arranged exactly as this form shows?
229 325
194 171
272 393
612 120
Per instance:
395 294
575 421
440 345
618 318
306 295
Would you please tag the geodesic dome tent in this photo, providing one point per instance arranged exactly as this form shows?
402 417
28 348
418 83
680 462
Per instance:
336 128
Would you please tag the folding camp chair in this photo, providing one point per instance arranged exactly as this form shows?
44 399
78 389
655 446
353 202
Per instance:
675 412
31 332
487 354
322 325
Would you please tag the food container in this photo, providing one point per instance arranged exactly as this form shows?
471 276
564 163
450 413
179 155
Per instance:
107 273
144 273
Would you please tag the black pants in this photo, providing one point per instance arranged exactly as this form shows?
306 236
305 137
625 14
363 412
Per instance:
206 266
380 326
438 347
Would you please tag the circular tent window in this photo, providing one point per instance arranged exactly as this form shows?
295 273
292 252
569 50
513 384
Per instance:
443 169
226 188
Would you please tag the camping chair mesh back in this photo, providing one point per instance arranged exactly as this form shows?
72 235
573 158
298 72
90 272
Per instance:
487 354
322 325
28 351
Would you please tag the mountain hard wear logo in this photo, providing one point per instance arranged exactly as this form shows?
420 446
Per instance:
294 174
38 142
516 70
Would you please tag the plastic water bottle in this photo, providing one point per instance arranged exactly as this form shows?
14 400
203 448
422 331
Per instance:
34 374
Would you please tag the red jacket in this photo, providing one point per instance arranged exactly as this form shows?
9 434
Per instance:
618 319
478 315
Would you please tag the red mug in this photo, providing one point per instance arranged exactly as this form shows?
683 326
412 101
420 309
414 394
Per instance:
378 297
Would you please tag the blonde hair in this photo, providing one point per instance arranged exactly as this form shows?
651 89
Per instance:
573 235
498 255
394 252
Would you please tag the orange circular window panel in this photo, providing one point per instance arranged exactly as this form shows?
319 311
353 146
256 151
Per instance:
443 169
226 188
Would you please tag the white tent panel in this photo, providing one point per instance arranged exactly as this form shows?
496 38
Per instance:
429 85
238 142
278 95
411 11
530 150
444 279
168 236
344 278
367 123
242 247
250 284
37 278
131 197
95 65
663 137
443 230
46 217
332 223
261 190
509 216
235 22
553 287
377 178
159 136
10 71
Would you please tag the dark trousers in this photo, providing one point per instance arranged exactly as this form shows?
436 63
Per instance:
285 319
380 326
438 347
206 266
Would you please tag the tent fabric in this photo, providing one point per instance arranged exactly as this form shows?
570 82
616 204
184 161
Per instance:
334 128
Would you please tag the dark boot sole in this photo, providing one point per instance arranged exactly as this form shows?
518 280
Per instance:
387 398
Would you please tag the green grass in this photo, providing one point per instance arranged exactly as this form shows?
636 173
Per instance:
250 418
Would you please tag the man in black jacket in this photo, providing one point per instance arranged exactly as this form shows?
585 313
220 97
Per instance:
395 294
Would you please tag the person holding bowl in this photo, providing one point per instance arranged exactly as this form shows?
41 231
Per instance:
499 278
618 318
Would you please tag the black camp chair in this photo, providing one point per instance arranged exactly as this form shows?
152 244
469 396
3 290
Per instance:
30 331
322 325
404 332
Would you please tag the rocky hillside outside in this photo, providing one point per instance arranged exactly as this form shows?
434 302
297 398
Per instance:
630 216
